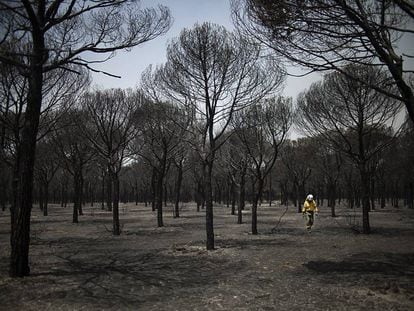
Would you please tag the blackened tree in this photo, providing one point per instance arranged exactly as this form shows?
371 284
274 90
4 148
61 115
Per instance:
42 36
214 73
262 129
110 127
350 117
327 34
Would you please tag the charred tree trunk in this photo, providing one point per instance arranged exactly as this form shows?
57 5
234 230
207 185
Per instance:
45 198
20 222
158 199
103 192
257 195
365 186
178 190
372 193
242 197
233 197
81 192
76 198
270 189
109 190
153 188
136 192
209 205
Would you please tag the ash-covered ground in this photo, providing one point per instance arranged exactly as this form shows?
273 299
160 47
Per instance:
84 267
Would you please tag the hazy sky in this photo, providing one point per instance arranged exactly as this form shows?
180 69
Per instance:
185 14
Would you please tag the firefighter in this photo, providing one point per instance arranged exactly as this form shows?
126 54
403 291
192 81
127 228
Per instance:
309 210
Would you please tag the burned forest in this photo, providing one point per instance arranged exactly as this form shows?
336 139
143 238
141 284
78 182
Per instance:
191 189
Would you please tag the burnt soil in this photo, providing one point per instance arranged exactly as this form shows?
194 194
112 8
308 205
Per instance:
84 267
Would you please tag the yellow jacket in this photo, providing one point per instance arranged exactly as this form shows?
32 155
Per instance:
309 206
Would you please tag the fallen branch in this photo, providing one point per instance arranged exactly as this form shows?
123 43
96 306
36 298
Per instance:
274 229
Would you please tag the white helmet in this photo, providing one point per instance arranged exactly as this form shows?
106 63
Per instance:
309 197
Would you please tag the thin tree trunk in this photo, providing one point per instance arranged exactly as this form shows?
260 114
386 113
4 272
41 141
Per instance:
45 198
209 207
242 197
178 190
115 207
233 197
80 192
109 190
76 197
153 190
159 196
270 189
103 192
365 185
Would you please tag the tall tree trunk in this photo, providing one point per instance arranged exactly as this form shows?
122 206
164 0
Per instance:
372 193
76 197
109 190
62 190
153 188
103 192
80 192
270 189
45 198
242 197
233 197
158 199
365 186
136 192
178 190
20 223
257 195
209 206
160 189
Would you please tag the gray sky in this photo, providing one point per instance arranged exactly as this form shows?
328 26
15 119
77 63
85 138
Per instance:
185 14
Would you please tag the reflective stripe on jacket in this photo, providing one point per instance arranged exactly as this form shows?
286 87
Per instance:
310 206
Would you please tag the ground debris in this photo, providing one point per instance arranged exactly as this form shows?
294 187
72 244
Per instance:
84 267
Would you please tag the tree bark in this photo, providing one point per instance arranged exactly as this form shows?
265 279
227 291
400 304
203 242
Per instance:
257 195
365 185
240 208
20 222
109 189
76 197
158 199
103 192
233 197
45 198
178 190
209 207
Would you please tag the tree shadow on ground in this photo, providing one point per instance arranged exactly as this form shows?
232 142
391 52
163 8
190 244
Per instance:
374 270
385 263
392 232
126 278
